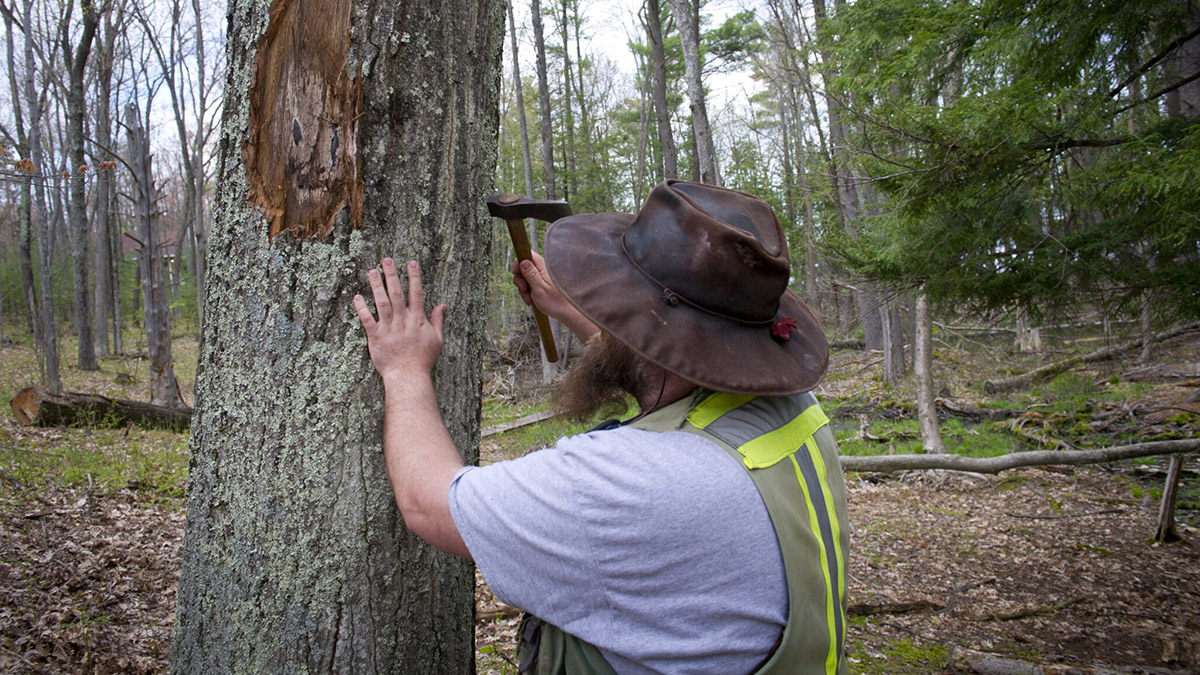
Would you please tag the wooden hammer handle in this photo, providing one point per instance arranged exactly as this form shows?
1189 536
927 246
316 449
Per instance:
520 240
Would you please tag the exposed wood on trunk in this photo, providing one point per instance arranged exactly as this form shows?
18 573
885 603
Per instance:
1017 459
302 154
38 407
1057 367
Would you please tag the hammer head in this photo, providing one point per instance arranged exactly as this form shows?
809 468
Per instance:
513 207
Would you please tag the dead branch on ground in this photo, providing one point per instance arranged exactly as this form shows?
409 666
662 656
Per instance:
1017 460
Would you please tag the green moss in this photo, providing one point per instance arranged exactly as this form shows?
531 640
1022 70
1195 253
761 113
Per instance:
901 657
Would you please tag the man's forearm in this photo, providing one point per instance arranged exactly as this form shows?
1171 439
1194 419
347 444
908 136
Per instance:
421 460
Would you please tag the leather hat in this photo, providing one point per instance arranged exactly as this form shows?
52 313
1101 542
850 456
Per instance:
695 282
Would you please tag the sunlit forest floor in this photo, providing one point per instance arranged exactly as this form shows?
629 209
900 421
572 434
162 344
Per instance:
1052 566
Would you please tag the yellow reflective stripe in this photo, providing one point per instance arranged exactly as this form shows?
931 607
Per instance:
714 407
771 447
835 528
815 525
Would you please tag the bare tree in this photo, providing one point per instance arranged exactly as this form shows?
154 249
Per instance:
539 44
519 92
927 415
164 388
75 59
687 19
658 60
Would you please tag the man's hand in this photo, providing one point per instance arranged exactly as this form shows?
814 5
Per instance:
533 282
402 341
420 455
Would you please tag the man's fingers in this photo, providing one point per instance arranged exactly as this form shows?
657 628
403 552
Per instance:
416 294
383 305
392 277
364 313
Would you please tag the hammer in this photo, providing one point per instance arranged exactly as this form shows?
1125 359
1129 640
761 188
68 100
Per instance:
514 210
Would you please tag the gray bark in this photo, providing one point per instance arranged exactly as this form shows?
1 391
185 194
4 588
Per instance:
102 259
689 35
164 388
658 62
295 557
571 175
519 92
1165 532
25 204
927 416
75 58
539 43
1016 460
39 222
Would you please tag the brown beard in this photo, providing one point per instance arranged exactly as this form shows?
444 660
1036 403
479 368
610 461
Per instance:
601 380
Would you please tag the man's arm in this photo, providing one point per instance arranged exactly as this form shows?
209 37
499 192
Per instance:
420 455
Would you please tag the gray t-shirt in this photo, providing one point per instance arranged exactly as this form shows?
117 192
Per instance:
655 547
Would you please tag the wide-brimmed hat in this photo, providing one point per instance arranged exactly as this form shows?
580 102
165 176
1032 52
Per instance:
696 282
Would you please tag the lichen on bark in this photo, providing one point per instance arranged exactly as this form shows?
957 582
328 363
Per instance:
295 557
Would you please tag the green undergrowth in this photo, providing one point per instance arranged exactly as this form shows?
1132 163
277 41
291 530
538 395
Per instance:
525 439
150 461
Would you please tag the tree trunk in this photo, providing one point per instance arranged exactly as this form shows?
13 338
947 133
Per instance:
689 35
539 43
1029 336
1016 460
927 415
76 63
164 389
102 259
25 203
39 222
38 407
658 61
1165 532
519 92
570 175
295 557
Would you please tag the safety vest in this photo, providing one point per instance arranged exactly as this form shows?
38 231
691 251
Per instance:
787 447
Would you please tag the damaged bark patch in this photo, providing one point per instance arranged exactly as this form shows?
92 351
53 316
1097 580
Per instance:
302 150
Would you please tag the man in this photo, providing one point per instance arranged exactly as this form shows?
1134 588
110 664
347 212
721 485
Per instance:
706 535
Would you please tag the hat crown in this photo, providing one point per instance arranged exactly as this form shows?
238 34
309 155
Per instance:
721 251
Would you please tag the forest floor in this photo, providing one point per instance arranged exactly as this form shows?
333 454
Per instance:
1052 566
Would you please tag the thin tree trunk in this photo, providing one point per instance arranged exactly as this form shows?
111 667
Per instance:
76 62
296 558
927 415
25 204
567 182
39 222
689 34
539 43
199 227
658 61
1165 532
101 248
519 92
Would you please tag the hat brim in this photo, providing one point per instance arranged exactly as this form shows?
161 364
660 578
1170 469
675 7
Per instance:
590 268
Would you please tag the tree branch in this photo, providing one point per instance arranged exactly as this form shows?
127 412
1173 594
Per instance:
1015 460
1175 44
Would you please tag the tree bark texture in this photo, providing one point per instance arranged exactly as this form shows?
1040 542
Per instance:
689 35
1165 532
296 558
38 407
102 259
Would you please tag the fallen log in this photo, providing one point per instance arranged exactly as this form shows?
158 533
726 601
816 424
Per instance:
517 423
1057 367
37 407
1016 460
968 410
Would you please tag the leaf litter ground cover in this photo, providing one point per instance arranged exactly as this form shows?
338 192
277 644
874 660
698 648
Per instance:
1046 566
